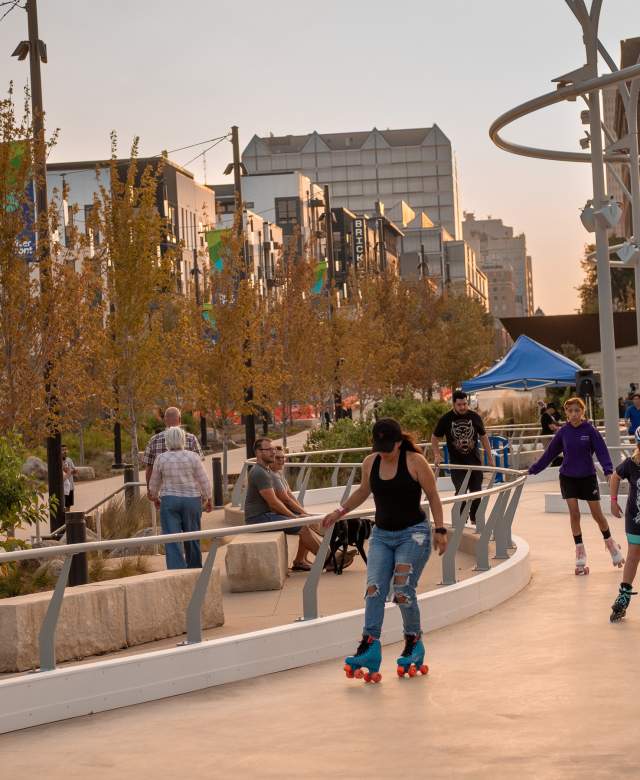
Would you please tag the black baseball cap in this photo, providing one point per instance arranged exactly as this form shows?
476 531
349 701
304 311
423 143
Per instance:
386 433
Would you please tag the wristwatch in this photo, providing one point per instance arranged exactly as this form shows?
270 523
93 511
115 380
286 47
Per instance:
441 530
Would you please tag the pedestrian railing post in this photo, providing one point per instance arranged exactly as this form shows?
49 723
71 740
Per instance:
47 636
310 589
218 497
510 512
240 488
500 531
482 544
349 485
458 521
76 530
334 475
129 492
303 489
481 512
301 473
194 610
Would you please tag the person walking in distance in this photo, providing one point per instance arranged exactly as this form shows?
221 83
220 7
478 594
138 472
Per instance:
157 443
396 473
632 414
463 429
577 441
180 482
629 469
68 471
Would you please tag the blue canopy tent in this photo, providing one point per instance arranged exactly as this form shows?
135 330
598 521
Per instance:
526 366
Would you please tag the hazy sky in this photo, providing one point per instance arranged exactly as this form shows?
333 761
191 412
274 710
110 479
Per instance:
177 73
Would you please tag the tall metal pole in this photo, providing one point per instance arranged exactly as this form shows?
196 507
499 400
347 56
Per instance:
249 419
54 439
632 107
605 304
331 278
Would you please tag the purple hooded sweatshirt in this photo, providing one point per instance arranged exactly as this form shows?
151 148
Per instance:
578 445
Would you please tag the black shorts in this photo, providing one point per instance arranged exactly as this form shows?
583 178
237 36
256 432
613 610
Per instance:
584 488
68 500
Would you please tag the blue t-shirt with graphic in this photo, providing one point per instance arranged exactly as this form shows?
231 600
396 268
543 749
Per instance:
630 470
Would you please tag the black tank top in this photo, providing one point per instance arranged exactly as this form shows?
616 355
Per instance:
397 500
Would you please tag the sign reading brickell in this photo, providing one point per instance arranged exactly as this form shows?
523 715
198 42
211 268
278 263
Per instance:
359 241
23 201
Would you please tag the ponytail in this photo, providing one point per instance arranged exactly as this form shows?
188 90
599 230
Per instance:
409 443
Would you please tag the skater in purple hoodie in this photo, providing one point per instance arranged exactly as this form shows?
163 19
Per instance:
577 441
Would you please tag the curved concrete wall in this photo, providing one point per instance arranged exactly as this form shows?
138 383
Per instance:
105 685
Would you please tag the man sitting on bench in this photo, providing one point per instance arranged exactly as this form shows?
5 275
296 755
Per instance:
262 505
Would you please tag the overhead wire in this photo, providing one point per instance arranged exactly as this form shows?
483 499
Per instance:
208 149
13 4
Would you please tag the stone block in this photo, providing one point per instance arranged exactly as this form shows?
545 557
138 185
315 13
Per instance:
84 473
257 562
156 604
92 621
36 468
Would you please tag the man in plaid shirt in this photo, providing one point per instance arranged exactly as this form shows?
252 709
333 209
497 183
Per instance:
157 445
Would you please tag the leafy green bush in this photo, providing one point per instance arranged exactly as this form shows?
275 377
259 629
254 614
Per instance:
415 416
22 499
189 423
343 434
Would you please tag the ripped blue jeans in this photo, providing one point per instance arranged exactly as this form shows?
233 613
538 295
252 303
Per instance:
401 555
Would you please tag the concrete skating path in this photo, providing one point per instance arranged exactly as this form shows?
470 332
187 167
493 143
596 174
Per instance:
541 687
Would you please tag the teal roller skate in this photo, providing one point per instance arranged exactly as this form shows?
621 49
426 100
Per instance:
368 656
412 659
621 604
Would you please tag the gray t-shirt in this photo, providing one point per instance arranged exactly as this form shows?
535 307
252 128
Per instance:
259 479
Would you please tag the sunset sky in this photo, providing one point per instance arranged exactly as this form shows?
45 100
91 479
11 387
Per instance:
175 74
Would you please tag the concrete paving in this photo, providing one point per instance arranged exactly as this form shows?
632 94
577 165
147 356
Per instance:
541 687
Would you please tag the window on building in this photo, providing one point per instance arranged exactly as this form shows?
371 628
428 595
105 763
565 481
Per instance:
89 226
287 213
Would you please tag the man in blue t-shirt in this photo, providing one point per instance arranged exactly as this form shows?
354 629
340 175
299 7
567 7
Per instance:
632 415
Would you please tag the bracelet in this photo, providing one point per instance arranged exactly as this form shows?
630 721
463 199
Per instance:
614 498
441 530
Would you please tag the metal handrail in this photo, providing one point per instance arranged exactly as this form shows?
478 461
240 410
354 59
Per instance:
498 525
239 490
37 538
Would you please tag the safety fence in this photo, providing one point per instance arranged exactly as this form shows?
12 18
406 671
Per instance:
494 519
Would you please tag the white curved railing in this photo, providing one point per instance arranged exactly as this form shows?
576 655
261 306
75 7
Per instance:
491 524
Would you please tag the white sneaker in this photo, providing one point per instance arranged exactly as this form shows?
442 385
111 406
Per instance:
617 558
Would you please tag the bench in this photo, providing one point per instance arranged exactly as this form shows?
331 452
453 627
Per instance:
257 562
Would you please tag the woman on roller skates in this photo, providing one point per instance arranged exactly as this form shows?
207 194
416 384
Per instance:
396 473
577 441
630 470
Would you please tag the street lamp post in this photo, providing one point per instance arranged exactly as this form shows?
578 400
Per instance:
589 23
586 81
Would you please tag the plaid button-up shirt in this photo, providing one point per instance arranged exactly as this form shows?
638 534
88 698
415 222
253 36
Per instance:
157 446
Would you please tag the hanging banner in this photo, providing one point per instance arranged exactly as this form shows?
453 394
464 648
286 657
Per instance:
22 201
320 277
215 242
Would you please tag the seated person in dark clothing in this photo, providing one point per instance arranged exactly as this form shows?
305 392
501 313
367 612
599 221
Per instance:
262 505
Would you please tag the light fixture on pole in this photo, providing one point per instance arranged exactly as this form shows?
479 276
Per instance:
587 217
585 142
629 252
